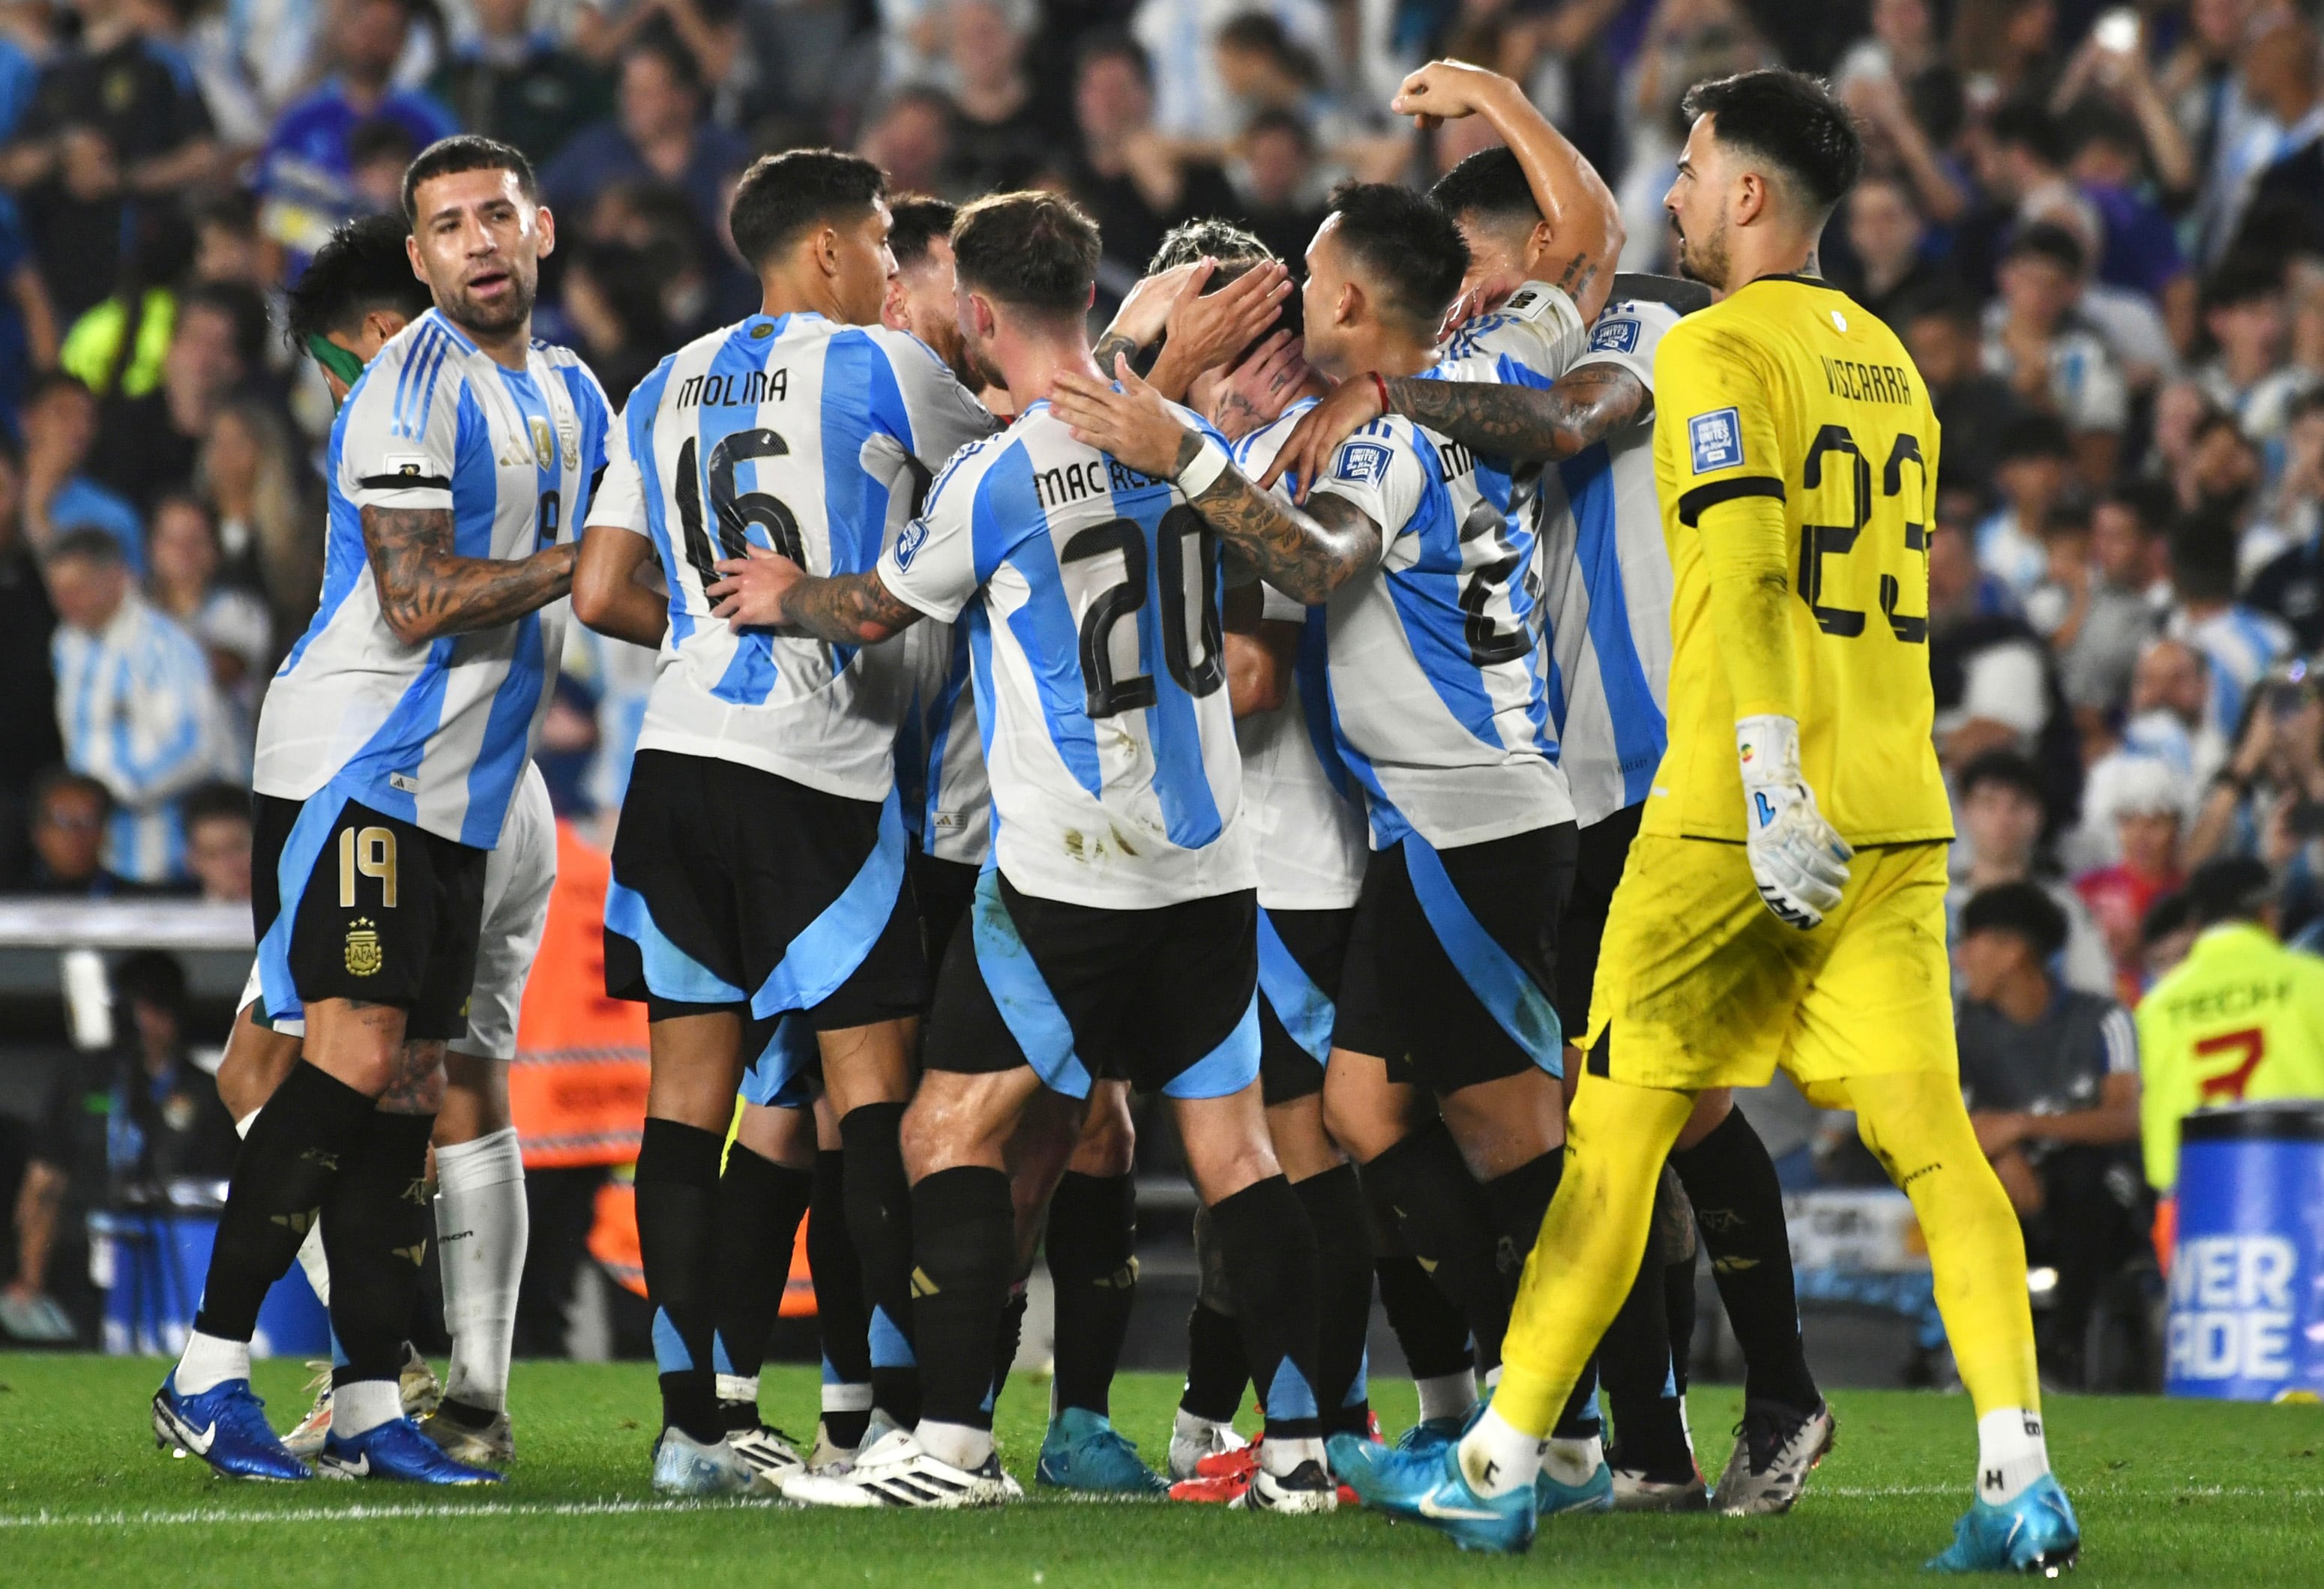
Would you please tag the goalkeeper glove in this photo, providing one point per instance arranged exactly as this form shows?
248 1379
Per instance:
1799 861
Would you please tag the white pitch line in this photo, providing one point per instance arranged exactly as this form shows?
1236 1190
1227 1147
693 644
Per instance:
365 1512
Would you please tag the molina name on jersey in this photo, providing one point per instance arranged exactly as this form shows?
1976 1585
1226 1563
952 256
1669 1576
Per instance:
436 733
1090 595
807 437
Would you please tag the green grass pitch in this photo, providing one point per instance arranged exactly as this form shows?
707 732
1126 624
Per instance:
2174 1494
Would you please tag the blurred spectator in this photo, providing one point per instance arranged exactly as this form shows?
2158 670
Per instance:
806 72
1125 174
2200 81
227 249
218 841
115 126
117 345
28 325
1976 409
1192 99
2268 801
147 445
2033 475
307 172
2007 48
2051 1077
28 1311
231 623
2239 643
2245 316
2284 84
710 33
1892 277
614 301
69 815
2005 819
2146 804
910 139
1996 686
1003 132
27 42
134 702
2169 715
2139 247
268 533
163 1120
660 134
29 741
2241 1017
2219 483
1904 47
1686 41
703 285
2291 586
1262 70
2107 617
1276 177
1897 145
515 82
2053 360
60 421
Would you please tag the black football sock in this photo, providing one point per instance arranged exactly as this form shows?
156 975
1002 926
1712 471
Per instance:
282 1174
1344 1296
1519 1200
966 1241
760 1206
1008 1338
1431 1331
1267 1249
1092 1228
1422 1191
1678 1299
1216 1369
880 1203
677 1245
840 1316
1739 1206
376 1222
1642 1387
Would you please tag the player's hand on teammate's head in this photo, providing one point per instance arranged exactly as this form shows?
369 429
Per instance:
1133 424
1206 330
1257 390
1146 307
1445 91
751 594
1351 404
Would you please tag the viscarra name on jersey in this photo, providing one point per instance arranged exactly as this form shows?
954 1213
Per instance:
1070 483
745 387
1861 382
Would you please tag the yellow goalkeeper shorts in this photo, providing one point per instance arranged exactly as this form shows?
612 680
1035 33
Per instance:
1699 986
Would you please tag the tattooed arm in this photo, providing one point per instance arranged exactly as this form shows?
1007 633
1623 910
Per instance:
768 590
1525 423
426 591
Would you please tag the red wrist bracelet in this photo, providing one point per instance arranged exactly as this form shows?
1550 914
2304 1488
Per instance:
1380 386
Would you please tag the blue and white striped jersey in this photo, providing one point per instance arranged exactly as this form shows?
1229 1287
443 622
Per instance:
436 733
805 436
1606 588
1090 593
1436 684
138 713
940 773
1528 341
1306 814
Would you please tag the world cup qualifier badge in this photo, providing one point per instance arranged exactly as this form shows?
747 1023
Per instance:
364 954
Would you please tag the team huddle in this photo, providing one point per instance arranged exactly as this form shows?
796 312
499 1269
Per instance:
1446 723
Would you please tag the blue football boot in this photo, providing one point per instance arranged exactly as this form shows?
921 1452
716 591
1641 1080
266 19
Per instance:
1083 1452
1434 1434
1430 1488
395 1450
1594 1494
226 1426
2035 1533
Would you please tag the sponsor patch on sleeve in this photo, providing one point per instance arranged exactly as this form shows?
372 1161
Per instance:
1361 463
1531 301
1615 334
908 543
1717 440
411 464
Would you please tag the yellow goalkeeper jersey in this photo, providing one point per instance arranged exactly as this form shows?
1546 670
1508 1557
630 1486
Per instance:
2241 1017
1787 398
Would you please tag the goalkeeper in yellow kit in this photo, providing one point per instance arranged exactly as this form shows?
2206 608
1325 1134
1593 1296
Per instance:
1784 900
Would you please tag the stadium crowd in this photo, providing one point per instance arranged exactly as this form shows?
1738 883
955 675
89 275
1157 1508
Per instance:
2100 233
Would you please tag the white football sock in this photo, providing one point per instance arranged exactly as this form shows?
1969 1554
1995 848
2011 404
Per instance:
736 1387
1572 1462
840 1396
1282 1457
360 1406
1497 1456
955 1443
1447 1395
2011 1454
209 1362
1186 1426
310 1251
482 1230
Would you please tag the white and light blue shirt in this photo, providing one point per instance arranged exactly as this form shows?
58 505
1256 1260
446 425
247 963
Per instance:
1606 588
1090 593
436 733
1305 811
806 436
139 714
947 796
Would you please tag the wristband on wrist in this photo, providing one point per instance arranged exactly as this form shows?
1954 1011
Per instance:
1380 385
1202 470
